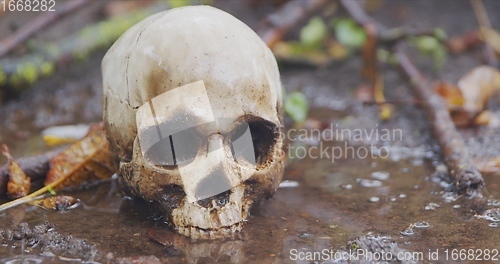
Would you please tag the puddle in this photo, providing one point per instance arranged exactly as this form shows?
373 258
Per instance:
320 205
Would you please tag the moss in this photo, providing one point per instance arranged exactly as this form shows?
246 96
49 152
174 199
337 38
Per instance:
15 80
3 78
28 72
47 68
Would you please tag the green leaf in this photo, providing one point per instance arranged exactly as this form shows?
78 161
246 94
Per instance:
440 34
432 47
349 34
313 33
426 44
296 106
178 3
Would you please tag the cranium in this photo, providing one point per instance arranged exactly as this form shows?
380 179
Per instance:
192 100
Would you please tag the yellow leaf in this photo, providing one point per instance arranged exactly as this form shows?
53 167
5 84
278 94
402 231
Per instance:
85 161
18 184
477 87
450 92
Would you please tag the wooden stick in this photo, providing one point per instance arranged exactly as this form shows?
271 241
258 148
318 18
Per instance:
277 24
466 177
35 25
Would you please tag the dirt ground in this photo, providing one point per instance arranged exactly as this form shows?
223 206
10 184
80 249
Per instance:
399 204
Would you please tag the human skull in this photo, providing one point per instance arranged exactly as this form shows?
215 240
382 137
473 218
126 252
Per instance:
192 108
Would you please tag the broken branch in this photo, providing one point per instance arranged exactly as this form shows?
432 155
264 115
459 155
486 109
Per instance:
466 177
18 73
277 24
35 25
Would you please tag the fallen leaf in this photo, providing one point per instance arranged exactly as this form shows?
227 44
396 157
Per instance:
59 203
431 46
477 87
348 33
490 166
59 135
18 184
87 160
459 44
451 93
313 33
483 119
296 106
468 99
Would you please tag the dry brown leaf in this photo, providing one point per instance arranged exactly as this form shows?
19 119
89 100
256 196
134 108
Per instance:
18 184
483 119
451 94
459 44
467 100
489 167
478 86
59 203
87 160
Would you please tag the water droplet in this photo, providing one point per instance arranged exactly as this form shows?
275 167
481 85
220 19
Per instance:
374 199
417 162
370 183
495 203
431 206
380 175
441 168
421 224
288 184
306 235
444 184
346 186
492 215
450 197
494 225
408 232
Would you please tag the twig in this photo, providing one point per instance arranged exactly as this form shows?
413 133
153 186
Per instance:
277 24
484 26
32 196
35 25
466 177
359 15
17 74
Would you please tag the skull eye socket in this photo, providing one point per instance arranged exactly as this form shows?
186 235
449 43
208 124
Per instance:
178 149
242 146
263 138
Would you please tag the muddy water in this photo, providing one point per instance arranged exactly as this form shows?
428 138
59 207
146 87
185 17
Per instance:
323 204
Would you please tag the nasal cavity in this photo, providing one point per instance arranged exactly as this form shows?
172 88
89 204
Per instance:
215 142
212 185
